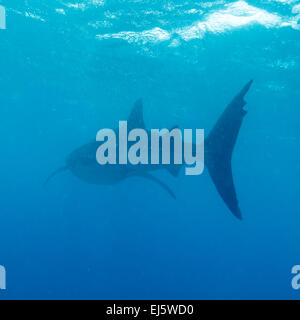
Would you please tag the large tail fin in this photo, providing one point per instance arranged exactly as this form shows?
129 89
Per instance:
219 146
55 173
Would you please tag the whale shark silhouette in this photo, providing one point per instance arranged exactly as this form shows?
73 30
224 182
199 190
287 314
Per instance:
219 146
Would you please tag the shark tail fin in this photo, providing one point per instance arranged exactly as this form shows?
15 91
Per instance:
219 147
55 173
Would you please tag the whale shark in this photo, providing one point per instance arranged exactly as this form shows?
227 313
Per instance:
219 147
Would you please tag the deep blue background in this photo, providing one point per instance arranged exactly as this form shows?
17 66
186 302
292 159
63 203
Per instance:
60 84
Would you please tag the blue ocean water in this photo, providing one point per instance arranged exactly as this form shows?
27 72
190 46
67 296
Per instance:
70 68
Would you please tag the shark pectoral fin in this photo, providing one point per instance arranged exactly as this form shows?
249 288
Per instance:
136 119
219 147
55 173
154 179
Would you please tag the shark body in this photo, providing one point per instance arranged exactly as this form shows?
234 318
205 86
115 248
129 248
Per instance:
219 146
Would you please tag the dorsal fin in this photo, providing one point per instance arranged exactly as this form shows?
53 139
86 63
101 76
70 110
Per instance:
136 119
